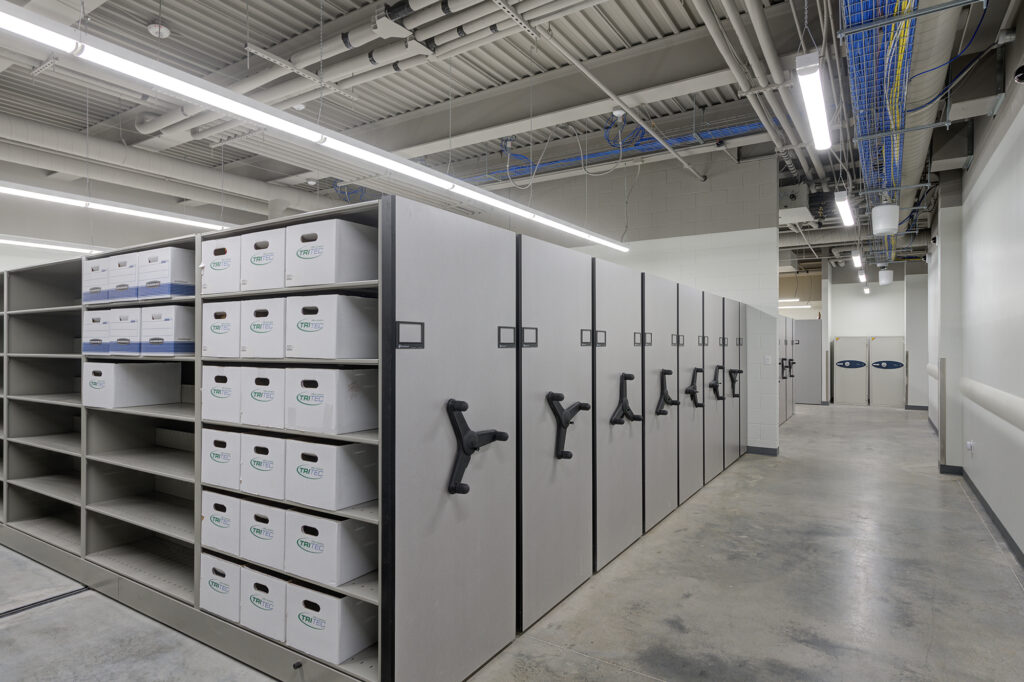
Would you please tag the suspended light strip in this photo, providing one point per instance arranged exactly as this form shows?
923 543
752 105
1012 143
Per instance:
808 72
867 290
49 247
28 25
108 207
792 307
856 259
843 206
862 276
789 300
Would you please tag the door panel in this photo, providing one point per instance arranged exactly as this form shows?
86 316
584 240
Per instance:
732 380
691 417
888 373
618 448
714 404
807 354
454 558
743 378
850 366
556 509
661 431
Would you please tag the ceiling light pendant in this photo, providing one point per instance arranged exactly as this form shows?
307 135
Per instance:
867 290
808 73
855 256
843 206
885 219
26 24
862 276
885 277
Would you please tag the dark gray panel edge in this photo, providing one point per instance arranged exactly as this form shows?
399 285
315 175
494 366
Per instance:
934 427
757 450
916 407
1010 542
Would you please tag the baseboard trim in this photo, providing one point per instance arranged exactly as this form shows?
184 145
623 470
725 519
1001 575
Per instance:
916 407
951 469
1014 547
825 402
755 450
934 427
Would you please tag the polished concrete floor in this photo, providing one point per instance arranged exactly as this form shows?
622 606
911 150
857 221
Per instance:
846 558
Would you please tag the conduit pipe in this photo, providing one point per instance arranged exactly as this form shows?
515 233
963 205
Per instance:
774 105
718 37
830 236
760 20
97 151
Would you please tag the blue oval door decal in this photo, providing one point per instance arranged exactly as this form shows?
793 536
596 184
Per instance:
851 364
887 364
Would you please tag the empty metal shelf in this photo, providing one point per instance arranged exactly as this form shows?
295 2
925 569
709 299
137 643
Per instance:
164 514
185 412
69 443
167 462
149 563
66 399
56 530
63 487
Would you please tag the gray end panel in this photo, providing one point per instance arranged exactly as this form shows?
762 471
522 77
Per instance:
691 418
556 526
455 555
661 432
791 373
807 354
732 400
744 383
714 410
618 448
783 355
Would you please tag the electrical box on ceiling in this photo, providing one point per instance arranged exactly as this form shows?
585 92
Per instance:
794 206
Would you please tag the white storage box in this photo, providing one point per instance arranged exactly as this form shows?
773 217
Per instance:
124 326
328 551
333 629
330 401
262 534
221 458
222 399
123 276
219 586
330 251
221 521
263 462
96 332
220 268
94 280
331 326
221 329
262 328
168 271
263 603
263 257
330 476
130 384
168 330
263 397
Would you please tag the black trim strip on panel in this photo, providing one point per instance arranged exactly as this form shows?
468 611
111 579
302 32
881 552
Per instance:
519 434
594 411
643 403
723 341
679 415
1010 542
387 302
703 412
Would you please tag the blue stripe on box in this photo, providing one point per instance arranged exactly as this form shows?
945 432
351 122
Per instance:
98 348
125 348
90 296
172 348
128 292
166 289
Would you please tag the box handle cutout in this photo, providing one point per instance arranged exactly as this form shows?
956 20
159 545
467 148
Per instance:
309 237
121 286
97 373
261 313
262 381
261 518
220 443
220 251
220 379
219 316
310 530
153 259
122 263
310 310
220 507
219 573
156 340
96 320
261 450
309 457
260 587
310 383
311 605
153 283
124 342
263 244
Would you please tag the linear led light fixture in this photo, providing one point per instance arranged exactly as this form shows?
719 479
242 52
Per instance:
789 300
862 276
49 246
38 194
843 206
29 25
808 72
855 256
792 307
867 290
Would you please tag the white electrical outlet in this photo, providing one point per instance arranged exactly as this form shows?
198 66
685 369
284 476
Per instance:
970 447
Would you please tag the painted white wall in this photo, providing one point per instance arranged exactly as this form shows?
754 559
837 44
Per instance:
741 265
762 380
934 291
993 318
917 339
950 241
854 313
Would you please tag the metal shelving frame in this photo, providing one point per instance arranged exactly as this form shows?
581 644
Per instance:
134 547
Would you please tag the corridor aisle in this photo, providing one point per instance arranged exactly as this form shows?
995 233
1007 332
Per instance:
848 557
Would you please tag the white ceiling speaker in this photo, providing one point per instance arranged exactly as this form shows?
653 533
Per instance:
885 219
885 277
158 30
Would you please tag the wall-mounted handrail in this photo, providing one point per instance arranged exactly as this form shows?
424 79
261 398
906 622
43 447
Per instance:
1006 406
